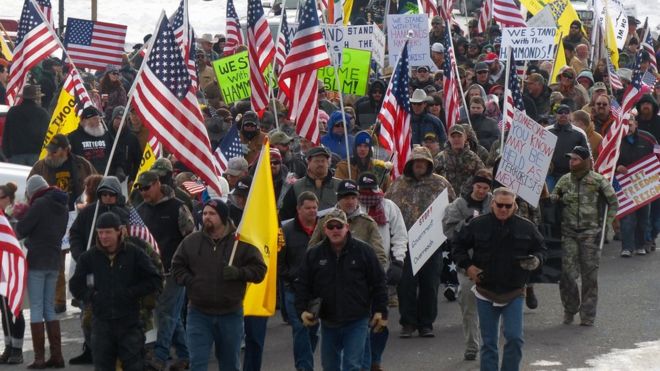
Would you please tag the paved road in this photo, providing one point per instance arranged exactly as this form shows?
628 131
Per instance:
628 314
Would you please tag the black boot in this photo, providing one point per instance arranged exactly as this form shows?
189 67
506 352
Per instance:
84 359
5 355
15 356
530 298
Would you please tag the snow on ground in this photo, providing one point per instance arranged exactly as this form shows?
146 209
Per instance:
643 357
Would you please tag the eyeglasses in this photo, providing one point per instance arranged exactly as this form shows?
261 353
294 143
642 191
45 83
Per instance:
221 40
503 206
275 163
107 194
332 226
144 188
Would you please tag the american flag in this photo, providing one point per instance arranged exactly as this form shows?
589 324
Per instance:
641 84
485 14
429 7
185 37
137 229
647 44
507 14
193 188
608 150
156 148
35 42
283 48
13 268
615 80
93 44
647 168
336 12
229 147
46 9
450 82
234 32
395 114
165 100
73 84
261 51
298 77
512 93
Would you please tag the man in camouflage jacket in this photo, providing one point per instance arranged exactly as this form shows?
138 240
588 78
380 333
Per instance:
457 162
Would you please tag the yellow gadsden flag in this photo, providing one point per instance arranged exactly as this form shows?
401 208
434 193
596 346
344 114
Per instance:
148 157
4 48
259 227
63 121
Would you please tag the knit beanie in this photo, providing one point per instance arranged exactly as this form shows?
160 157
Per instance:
108 220
35 184
220 207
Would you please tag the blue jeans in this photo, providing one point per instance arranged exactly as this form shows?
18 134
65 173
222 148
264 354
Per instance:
41 291
255 336
489 323
634 228
225 330
342 347
374 348
304 338
654 220
170 327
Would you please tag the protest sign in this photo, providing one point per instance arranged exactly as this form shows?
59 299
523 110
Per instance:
526 157
353 74
529 43
398 26
426 235
233 74
619 18
543 18
639 186
378 49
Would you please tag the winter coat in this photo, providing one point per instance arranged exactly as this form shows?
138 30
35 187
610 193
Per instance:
337 143
327 194
25 128
292 254
393 233
367 107
486 130
424 124
96 150
70 177
567 138
653 124
459 212
635 146
458 166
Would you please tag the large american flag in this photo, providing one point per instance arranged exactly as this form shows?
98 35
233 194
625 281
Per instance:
165 100
507 14
512 93
283 48
641 84
229 147
395 114
261 50
429 7
336 12
648 167
93 44
608 150
35 42
46 9
647 44
234 32
450 82
13 268
298 77
485 14
615 80
137 228
185 37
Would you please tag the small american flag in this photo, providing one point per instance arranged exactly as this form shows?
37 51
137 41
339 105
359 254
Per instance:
450 82
165 101
485 14
647 44
13 268
429 7
35 42
507 14
298 77
512 94
185 37
615 80
395 114
193 188
648 168
137 228
234 32
641 84
93 44
46 9
261 51
230 147
608 150
73 84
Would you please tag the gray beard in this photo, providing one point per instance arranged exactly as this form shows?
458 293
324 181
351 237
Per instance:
54 163
96 131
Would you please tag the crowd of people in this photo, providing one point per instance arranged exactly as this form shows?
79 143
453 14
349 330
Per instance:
343 257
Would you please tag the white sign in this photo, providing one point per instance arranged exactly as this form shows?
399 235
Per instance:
66 240
619 18
544 18
426 235
398 27
365 37
529 43
526 157
378 50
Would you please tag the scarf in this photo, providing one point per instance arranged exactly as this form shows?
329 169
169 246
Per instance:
373 201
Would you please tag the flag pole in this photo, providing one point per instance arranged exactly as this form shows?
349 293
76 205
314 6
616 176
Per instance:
271 95
454 68
506 86
9 42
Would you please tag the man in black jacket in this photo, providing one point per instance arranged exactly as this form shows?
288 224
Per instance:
648 120
505 248
567 139
25 128
113 276
343 277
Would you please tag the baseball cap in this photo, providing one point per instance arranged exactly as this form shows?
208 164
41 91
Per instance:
599 86
89 112
367 180
317 151
347 187
438 48
162 166
58 141
280 137
146 178
564 107
250 117
243 186
579 151
236 166
481 66
431 137
490 58
337 215
422 68
456 129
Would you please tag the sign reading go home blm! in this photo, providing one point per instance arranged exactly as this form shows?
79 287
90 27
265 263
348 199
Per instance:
529 43
426 235
353 73
526 157
233 75
398 26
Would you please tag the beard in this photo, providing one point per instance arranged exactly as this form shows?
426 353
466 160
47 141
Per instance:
209 227
95 131
249 134
54 163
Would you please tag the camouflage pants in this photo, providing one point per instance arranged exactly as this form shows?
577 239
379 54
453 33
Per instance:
581 258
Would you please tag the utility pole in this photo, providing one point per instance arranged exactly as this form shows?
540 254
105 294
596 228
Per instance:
94 8
60 18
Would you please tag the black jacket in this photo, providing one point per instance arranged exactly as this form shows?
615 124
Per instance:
128 154
495 247
43 226
636 146
25 129
486 130
653 124
567 139
351 286
96 150
291 256
118 283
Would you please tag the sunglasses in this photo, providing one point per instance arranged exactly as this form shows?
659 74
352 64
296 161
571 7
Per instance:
435 23
503 206
567 75
563 112
275 163
144 188
434 104
114 73
332 226
107 194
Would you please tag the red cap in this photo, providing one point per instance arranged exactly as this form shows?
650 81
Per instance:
490 58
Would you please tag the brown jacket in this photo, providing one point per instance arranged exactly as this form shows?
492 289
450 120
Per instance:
341 172
70 177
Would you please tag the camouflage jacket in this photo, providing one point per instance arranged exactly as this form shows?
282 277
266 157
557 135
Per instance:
458 167
413 195
582 200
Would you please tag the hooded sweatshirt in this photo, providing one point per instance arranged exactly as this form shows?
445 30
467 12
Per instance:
337 143
651 125
366 108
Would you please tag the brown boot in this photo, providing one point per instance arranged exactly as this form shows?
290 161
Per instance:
38 342
55 340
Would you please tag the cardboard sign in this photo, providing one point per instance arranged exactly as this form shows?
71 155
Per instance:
398 27
638 187
426 235
526 157
529 43
543 18
353 74
233 74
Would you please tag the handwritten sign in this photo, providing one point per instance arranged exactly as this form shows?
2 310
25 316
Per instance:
638 187
526 157
529 43
233 73
353 74
426 235
398 26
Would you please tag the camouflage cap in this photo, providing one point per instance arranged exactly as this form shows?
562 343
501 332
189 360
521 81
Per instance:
337 215
162 166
